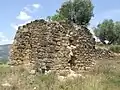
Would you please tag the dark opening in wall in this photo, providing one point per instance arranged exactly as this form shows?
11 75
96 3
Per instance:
71 40
47 68
72 61
43 71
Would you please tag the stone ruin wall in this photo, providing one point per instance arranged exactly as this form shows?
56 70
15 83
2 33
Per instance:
53 46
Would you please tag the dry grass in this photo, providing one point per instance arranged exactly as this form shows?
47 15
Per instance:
104 76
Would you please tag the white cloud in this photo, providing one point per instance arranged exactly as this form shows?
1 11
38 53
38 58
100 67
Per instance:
32 8
23 16
1 36
27 9
36 5
15 26
4 39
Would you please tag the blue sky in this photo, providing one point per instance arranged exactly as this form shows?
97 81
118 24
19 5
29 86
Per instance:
18 12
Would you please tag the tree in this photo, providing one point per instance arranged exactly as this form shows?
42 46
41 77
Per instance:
117 32
100 34
77 11
48 18
57 17
106 31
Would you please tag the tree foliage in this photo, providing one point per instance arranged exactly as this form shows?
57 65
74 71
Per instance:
76 11
56 17
117 32
108 30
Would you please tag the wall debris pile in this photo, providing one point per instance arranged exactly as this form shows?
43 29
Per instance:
54 46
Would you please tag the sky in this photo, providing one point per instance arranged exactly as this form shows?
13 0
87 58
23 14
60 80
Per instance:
14 13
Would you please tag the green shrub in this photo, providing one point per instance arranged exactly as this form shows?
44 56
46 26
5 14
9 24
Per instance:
115 48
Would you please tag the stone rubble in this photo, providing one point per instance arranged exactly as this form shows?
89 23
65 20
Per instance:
53 46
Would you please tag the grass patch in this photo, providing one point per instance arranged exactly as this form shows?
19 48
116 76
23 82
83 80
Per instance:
104 76
115 48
